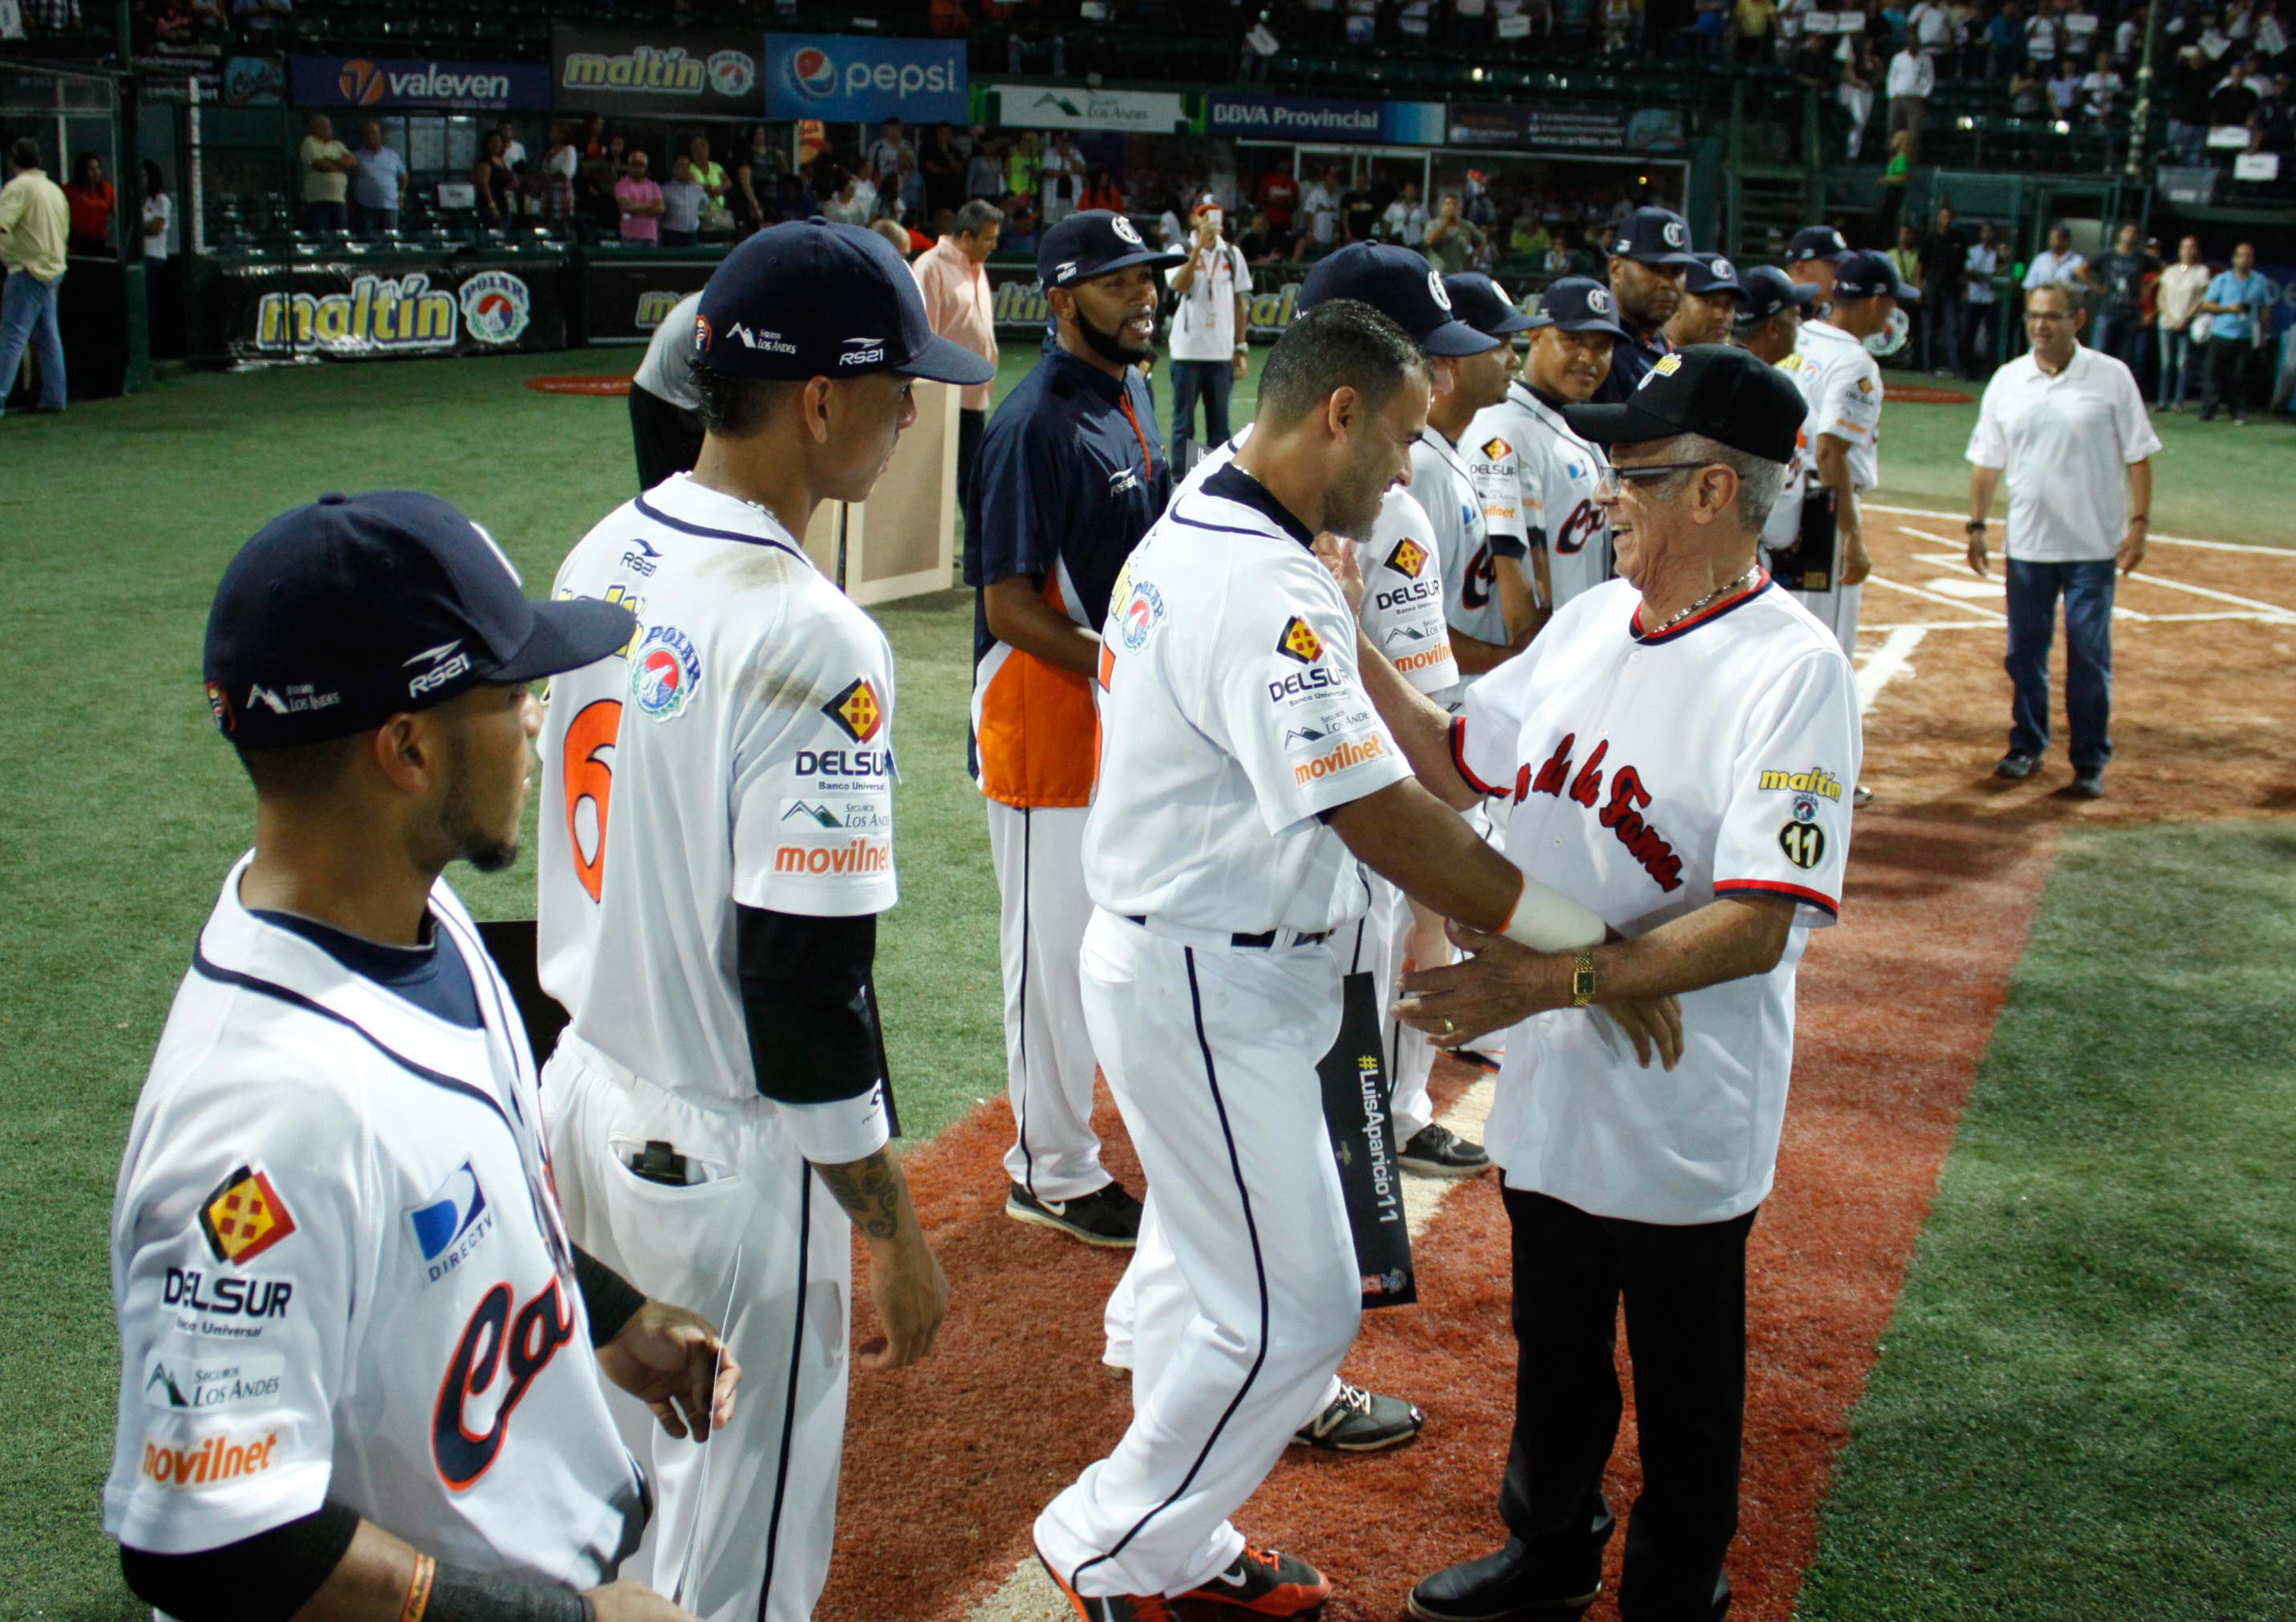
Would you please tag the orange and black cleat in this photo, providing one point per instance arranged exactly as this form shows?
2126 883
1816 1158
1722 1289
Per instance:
1114 1606
1266 1582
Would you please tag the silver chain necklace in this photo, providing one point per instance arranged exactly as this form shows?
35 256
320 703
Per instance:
1727 585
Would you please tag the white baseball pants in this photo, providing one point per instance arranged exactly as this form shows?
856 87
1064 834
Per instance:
756 1503
1211 1052
1039 851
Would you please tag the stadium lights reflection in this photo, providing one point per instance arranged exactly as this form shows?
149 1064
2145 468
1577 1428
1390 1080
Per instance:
1479 75
1966 123
2062 128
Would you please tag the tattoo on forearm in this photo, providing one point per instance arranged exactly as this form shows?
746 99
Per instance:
870 1191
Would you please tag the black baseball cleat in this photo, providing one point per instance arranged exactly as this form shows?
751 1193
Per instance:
1107 1217
2085 785
1357 1422
2016 764
1266 1582
1437 1152
1110 1607
1496 1588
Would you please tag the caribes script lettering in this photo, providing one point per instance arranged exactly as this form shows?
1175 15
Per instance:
1622 814
492 1337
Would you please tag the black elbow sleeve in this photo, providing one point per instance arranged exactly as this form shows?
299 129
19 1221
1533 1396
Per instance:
267 1578
811 1005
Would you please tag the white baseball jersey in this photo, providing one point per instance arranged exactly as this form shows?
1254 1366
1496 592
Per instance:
1402 610
1644 776
1539 482
740 751
1231 718
1842 382
340 1269
1446 492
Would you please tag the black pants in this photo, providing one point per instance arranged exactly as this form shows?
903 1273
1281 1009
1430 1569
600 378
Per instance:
1685 1289
669 439
2228 361
968 423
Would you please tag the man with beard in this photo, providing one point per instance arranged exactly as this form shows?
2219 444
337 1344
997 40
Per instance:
1649 257
1539 481
1221 854
1709 298
1069 476
336 1211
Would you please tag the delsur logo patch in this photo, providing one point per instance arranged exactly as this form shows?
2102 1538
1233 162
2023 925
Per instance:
1864 385
1408 558
244 1217
856 710
1297 640
1496 450
665 672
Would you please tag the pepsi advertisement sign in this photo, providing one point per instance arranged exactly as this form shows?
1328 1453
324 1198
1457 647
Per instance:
850 78
387 83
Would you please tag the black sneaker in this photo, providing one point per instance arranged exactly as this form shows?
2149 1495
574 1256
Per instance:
1437 1152
1266 1583
1496 1588
2085 785
1106 1217
1357 1422
2016 764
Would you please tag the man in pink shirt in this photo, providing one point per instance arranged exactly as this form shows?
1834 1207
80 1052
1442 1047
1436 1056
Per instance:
640 201
957 302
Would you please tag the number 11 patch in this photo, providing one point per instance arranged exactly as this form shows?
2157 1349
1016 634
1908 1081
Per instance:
1804 843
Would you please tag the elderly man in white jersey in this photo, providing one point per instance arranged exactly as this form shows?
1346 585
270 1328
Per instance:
1401 611
1676 747
360 1359
1539 480
719 815
1838 447
1243 778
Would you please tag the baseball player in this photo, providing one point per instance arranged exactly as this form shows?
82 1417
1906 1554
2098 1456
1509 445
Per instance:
1401 612
1841 381
1539 480
718 808
1768 324
1811 259
360 1361
1678 742
665 421
1222 852
1069 478
1710 294
1650 260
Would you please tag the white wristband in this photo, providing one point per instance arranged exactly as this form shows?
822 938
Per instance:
1546 920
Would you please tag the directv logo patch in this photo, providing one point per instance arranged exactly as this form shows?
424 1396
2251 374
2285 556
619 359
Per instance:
454 1222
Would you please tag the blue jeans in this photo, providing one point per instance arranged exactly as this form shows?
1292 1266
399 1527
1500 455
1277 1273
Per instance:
2088 591
27 315
2176 349
1212 380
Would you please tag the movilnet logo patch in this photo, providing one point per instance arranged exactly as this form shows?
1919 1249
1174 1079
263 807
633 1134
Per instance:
216 1462
1494 450
1297 640
244 1217
1408 559
856 710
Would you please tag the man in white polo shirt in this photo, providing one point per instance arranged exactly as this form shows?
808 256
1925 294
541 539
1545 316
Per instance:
2069 425
1210 347
1674 751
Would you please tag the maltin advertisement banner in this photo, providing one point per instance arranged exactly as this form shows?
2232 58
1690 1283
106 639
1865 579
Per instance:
665 72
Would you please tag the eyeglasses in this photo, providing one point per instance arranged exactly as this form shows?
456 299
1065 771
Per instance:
1611 481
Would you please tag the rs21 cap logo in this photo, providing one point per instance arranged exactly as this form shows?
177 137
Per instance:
1408 558
1297 640
856 710
244 1217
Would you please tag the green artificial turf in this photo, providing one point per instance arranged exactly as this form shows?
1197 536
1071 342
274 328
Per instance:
2082 1410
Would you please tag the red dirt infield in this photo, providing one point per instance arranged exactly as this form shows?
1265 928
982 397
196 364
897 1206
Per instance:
579 385
947 1464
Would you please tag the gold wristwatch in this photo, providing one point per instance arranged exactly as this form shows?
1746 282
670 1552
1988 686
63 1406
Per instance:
1582 979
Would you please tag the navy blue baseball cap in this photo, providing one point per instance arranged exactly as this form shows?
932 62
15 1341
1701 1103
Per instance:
1816 243
1484 305
1711 389
1768 290
807 299
1401 285
1095 242
1655 237
1867 275
1578 303
337 616
1711 274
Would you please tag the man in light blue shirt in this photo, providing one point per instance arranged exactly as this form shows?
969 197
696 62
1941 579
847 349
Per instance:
377 185
2238 305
